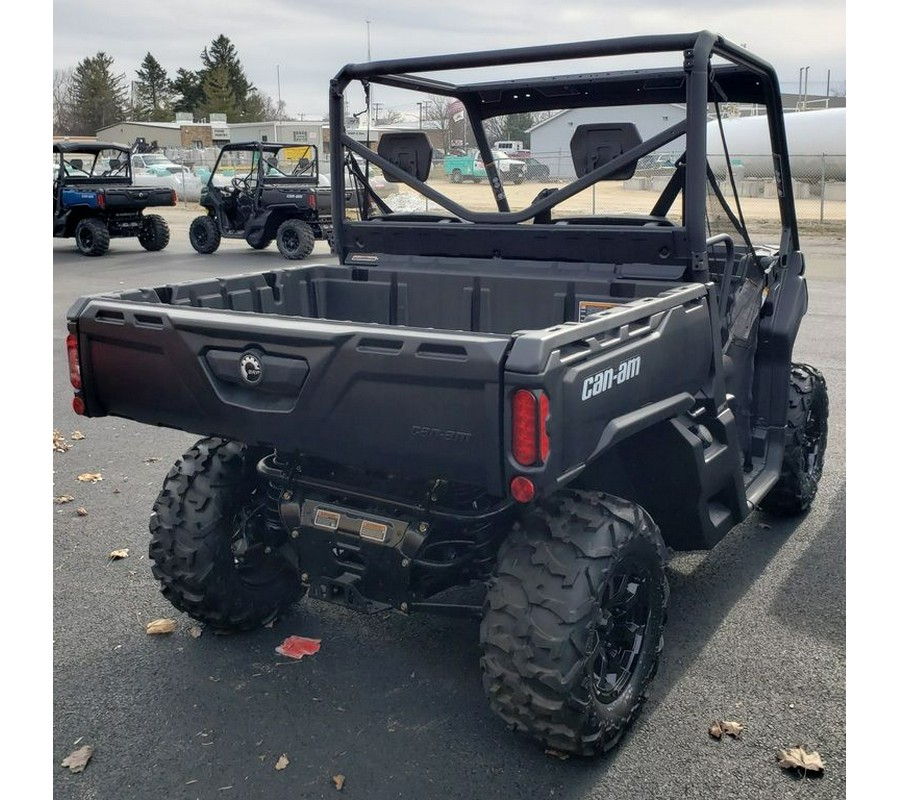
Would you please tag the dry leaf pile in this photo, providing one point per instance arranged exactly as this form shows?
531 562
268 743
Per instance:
117 554
77 436
90 477
60 445
63 498
78 760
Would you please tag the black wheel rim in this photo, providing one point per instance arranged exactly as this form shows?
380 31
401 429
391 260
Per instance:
291 240
620 628
86 237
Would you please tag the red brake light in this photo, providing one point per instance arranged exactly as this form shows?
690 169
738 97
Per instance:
311 200
524 428
101 200
74 367
530 442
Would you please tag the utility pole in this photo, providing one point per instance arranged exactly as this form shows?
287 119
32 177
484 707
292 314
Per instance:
369 58
278 115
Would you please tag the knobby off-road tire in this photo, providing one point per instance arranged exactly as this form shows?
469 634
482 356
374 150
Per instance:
205 235
92 237
195 542
804 447
572 628
295 239
154 233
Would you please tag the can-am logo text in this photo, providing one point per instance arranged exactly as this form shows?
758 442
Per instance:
611 376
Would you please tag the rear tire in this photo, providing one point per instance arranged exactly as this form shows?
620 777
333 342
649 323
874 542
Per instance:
205 235
295 239
154 234
92 237
572 628
456 176
206 543
804 448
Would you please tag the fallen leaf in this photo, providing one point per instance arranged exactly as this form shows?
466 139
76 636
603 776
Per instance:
116 554
77 436
196 632
556 754
282 762
298 646
81 511
90 477
719 729
797 758
63 498
161 626
78 760
60 445
338 782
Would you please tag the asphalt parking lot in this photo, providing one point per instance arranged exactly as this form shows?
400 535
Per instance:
756 633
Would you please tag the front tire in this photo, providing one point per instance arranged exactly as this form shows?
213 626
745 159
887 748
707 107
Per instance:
92 237
207 547
804 448
295 239
572 629
154 233
205 235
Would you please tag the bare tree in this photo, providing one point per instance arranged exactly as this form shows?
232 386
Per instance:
62 100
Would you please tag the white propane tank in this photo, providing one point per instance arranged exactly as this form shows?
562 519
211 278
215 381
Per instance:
810 135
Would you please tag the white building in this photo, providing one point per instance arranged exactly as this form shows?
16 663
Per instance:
551 138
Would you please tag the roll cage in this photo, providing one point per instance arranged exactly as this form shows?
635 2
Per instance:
697 82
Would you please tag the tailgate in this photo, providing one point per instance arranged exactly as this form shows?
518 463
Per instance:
422 403
132 198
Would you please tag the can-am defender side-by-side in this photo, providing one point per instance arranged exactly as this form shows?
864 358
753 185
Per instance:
263 192
95 198
535 400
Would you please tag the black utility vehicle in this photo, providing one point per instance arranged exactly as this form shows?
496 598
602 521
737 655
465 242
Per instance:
535 404
264 192
95 199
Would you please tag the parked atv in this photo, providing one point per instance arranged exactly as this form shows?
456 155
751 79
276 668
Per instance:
95 200
263 192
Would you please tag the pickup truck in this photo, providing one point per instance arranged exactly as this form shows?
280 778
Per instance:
513 414
95 198
471 167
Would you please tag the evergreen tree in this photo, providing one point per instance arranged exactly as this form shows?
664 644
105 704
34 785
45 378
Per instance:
152 92
222 55
218 93
187 90
98 96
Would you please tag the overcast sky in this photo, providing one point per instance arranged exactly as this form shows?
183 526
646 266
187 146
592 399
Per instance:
291 48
